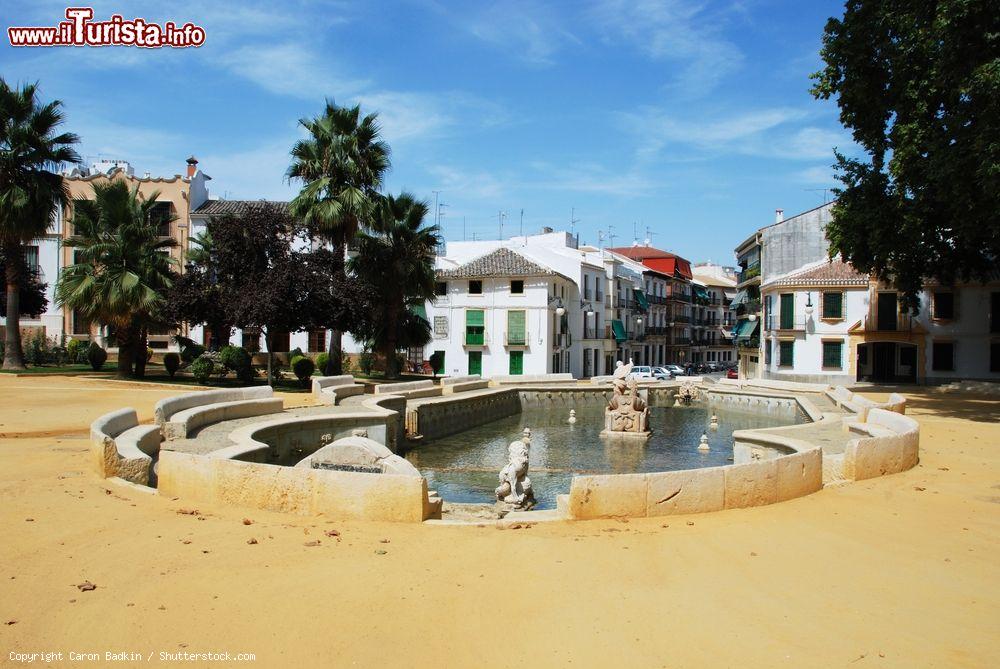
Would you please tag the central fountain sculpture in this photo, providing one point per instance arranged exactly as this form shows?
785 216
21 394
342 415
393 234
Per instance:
626 414
514 492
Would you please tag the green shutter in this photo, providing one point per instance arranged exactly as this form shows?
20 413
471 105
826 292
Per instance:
474 317
475 362
833 305
832 354
515 328
517 362
787 311
786 352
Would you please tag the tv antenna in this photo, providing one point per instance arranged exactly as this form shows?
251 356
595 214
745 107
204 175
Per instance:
824 191
573 220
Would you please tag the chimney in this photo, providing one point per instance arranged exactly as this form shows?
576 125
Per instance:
779 214
192 163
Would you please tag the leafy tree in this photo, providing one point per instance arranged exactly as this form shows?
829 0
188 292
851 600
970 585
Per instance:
341 165
31 298
195 297
30 145
396 257
918 84
123 268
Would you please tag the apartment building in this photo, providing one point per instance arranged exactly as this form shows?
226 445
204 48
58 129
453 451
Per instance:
714 289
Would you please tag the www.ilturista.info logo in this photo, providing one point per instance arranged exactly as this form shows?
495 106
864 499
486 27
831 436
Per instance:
80 30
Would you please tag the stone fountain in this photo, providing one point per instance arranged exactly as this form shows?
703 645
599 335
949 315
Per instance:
514 492
626 416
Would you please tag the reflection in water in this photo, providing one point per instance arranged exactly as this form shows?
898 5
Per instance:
464 467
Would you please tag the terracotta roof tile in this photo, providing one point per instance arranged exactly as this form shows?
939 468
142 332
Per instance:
834 273
236 207
499 263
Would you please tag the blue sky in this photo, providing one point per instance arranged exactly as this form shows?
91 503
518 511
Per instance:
690 118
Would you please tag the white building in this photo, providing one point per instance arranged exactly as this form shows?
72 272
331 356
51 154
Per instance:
827 322
533 305
714 311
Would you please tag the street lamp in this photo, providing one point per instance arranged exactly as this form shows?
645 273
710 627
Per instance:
809 304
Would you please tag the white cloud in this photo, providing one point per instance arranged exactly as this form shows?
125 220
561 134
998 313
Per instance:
814 142
681 32
289 69
525 30
466 183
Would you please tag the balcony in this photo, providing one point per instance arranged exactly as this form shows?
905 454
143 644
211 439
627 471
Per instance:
516 338
682 341
587 294
749 273
562 340
475 337
681 319
679 297
591 333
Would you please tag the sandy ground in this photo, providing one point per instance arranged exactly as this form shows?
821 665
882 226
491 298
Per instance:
901 571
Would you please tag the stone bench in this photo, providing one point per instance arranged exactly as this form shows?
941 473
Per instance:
894 449
123 448
332 389
182 423
459 384
409 389
166 408
532 378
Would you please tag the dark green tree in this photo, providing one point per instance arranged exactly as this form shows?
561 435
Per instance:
918 85
341 165
396 257
31 145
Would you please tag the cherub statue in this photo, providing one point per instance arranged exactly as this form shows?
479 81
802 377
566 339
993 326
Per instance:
515 486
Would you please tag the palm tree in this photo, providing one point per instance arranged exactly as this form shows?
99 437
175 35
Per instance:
123 267
29 190
396 256
341 166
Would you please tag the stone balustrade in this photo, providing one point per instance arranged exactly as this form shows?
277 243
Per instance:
122 448
333 389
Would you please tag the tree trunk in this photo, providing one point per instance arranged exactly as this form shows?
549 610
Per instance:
126 349
141 347
13 357
270 357
389 346
334 367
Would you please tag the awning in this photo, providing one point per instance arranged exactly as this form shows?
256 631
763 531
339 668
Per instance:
746 329
701 293
419 310
742 297
618 328
640 297
730 294
726 333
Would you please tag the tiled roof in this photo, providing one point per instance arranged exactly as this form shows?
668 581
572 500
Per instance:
662 261
833 273
222 207
499 263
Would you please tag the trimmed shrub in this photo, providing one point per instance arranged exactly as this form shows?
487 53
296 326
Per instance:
303 368
202 369
75 351
171 362
96 356
345 363
191 352
366 362
237 360
149 354
321 361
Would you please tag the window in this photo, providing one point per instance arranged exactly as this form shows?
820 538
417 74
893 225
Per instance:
833 354
159 215
944 305
317 340
441 288
251 341
31 259
943 356
833 306
280 342
787 311
995 356
475 362
768 353
786 351
516 362
516 335
475 327
517 287
475 288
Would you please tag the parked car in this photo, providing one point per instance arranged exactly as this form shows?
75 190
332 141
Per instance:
675 370
662 374
713 366
732 373
641 372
